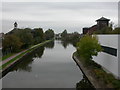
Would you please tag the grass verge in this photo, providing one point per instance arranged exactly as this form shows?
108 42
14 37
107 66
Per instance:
7 56
99 73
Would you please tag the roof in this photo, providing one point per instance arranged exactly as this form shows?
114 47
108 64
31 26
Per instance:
103 19
15 23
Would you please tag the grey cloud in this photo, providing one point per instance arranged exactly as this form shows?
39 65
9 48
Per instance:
57 15
16 6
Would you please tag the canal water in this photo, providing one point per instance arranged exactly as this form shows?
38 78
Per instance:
49 66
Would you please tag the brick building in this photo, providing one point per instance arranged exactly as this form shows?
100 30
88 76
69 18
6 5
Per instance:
101 23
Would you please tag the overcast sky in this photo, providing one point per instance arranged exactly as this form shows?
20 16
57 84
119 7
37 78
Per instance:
58 16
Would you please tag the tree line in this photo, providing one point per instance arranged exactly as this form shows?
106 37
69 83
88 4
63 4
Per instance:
20 39
72 38
108 30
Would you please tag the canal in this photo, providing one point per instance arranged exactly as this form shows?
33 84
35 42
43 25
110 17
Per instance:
49 66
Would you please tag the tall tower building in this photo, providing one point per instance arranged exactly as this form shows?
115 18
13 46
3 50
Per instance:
15 25
102 22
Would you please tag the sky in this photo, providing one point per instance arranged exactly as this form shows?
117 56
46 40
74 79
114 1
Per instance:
72 16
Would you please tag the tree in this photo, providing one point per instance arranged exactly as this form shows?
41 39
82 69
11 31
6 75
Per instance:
11 43
116 31
88 46
74 38
49 34
64 34
38 35
105 30
25 36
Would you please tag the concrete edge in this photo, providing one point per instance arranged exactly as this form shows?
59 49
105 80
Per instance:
97 84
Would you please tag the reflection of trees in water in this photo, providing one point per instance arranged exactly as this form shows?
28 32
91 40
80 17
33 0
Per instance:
25 64
64 43
50 44
84 84
38 52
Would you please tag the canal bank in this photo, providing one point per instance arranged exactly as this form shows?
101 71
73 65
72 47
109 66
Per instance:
87 72
96 75
49 66
6 67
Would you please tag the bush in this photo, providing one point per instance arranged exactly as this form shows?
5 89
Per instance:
107 78
88 46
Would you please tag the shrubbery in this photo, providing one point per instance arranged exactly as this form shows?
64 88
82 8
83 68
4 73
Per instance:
88 46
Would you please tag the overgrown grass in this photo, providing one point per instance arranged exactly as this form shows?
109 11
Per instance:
22 54
108 78
99 73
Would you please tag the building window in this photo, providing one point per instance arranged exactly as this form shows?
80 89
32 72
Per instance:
109 50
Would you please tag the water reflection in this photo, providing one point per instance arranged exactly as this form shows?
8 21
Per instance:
84 84
25 64
38 52
54 69
50 45
64 44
